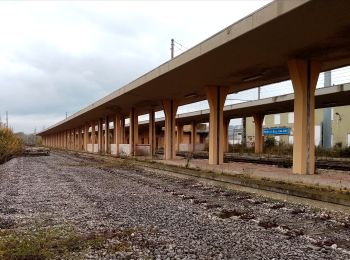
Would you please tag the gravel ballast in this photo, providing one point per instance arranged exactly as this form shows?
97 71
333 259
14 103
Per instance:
144 213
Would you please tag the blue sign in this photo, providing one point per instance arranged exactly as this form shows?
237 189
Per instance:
276 131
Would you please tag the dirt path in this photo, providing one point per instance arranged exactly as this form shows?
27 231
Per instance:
121 211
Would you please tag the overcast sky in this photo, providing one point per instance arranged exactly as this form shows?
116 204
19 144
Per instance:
59 57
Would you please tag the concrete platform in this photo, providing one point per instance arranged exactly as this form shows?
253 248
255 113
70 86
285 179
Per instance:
328 185
325 178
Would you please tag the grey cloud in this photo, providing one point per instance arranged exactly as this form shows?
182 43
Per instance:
131 42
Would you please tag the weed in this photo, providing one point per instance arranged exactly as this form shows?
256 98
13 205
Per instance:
10 145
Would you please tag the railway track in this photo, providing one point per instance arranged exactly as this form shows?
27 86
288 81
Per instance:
282 162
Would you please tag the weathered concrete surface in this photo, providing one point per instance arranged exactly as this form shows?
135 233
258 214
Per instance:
174 217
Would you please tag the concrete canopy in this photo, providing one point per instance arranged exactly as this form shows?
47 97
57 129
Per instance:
252 52
324 97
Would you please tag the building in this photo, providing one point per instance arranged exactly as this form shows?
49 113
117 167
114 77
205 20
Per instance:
280 126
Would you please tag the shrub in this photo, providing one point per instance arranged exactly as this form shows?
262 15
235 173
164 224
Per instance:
345 152
269 142
10 145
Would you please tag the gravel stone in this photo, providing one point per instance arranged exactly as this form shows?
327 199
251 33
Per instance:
170 217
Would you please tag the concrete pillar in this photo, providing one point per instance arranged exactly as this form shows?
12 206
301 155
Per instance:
133 131
152 132
86 136
99 137
216 98
74 139
106 150
193 136
117 132
180 132
122 123
304 75
82 146
93 136
79 138
225 136
170 108
77 141
70 140
259 139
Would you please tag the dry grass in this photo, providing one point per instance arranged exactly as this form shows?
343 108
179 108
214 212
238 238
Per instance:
10 145
62 242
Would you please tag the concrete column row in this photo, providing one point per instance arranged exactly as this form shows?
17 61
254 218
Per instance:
304 75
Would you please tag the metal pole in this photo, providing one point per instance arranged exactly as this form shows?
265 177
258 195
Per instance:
172 48
244 132
327 116
259 92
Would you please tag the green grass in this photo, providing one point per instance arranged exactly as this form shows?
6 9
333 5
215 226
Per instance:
45 243
61 242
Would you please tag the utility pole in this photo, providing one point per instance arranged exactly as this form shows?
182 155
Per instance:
244 132
172 48
66 115
259 92
327 116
